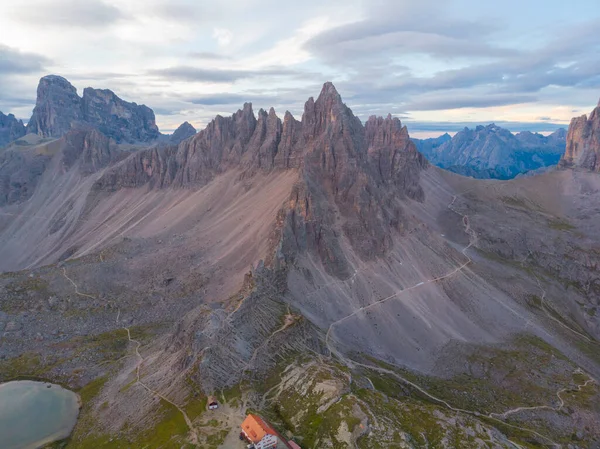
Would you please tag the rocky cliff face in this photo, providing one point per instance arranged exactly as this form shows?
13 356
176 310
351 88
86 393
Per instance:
10 129
121 120
59 109
185 131
88 146
494 152
583 142
329 136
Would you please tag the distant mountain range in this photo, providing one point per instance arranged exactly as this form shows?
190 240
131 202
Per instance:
10 129
493 152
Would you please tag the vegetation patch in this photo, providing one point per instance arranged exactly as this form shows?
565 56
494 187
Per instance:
560 224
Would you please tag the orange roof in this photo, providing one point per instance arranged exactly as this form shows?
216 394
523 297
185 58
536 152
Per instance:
256 428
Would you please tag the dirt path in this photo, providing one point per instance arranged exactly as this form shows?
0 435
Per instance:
472 241
351 363
75 285
188 421
548 407
544 308
447 405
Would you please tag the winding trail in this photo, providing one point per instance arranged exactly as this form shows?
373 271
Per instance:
450 407
188 421
548 407
75 285
472 241
351 363
544 308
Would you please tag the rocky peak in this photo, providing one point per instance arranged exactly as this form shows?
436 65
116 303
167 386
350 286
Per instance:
328 109
264 143
118 119
380 131
245 122
583 143
184 131
290 134
560 133
10 129
393 155
57 107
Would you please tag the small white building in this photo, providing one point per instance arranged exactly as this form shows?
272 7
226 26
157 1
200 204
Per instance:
212 403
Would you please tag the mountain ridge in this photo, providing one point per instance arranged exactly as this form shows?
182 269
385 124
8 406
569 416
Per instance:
494 152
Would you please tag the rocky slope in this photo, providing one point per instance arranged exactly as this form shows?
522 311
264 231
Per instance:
494 152
23 164
317 270
10 129
58 109
583 142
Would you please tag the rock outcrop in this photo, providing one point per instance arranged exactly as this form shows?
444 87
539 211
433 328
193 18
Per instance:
58 109
118 119
583 142
185 131
88 146
22 168
19 175
493 152
10 129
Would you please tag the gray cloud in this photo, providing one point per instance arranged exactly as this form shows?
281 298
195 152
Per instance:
366 52
72 13
189 73
226 99
208 55
16 62
467 101
399 28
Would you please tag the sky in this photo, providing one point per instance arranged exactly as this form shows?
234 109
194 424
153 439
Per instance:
438 65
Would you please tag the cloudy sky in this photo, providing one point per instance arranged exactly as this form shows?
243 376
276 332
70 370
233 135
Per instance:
437 64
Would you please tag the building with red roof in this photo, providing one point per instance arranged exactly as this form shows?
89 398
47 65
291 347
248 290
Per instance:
262 434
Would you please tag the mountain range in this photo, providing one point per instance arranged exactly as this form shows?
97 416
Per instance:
493 152
316 270
10 129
